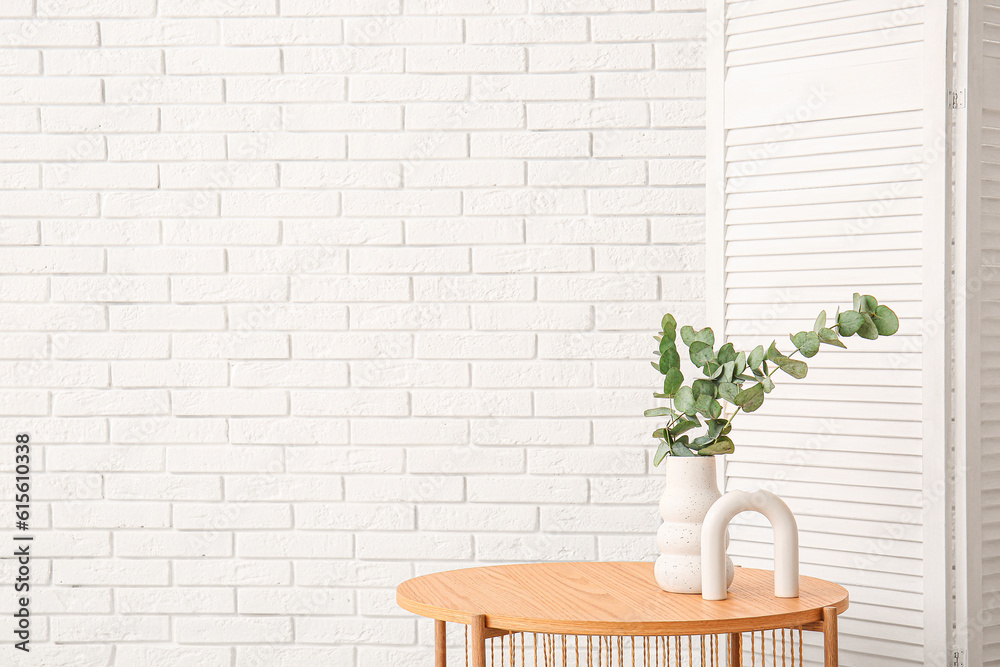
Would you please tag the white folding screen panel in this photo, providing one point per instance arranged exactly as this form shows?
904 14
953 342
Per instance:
826 168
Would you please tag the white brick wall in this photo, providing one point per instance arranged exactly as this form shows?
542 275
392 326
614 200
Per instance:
303 298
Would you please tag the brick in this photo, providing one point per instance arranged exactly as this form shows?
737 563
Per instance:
590 58
537 201
20 177
536 546
287 260
475 518
532 317
110 629
346 460
163 90
104 458
24 288
173 544
472 59
403 30
417 432
412 147
340 7
163 487
282 31
294 316
159 32
339 289
287 146
283 488
465 116
475 345
365 488
474 288
454 403
232 630
298 431
103 118
102 61
646 85
520 87
294 545
145 204
343 117
299 602
167 656
232 458
231 516
407 374
351 346
585 115
211 232
343 59
103 232
351 631
545 259
50 32
163 147
521 432
463 7
244 573
223 61
408 88
289 374
44 373
168 430
419 545
48 204
119 288
58 317
236 345
652 27
20 119
645 143
229 118
248 656
207 402
463 174
24 346
597 288
88 176
464 460
110 402
353 175
229 288
269 204
504 374
354 516
350 403
445 232
166 317
20 61
677 172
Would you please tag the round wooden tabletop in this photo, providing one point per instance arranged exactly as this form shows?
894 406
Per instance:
610 599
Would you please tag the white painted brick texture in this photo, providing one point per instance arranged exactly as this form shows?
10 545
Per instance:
300 298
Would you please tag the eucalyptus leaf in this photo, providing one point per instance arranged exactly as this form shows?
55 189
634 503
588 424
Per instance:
702 441
820 321
706 335
660 433
830 337
756 357
750 399
868 304
797 369
683 426
728 391
728 371
727 353
687 335
858 302
703 388
868 329
807 342
684 400
661 452
666 344
722 446
849 323
672 381
680 448
669 359
773 353
768 385
659 412
741 363
669 326
885 321
655 365
701 353
713 370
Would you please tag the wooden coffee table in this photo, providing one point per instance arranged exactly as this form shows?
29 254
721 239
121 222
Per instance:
601 601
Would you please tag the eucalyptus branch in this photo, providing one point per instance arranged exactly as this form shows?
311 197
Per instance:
741 378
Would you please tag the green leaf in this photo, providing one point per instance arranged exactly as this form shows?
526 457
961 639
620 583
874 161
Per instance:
886 321
820 321
657 395
703 388
750 399
706 335
858 302
659 412
667 344
728 370
722 446
713 369
669 359
741 363
797 369
687 335
728 391
868 329
768 385
684 400
680 448
672 381
756 356
655 365
701 353
726 353
708 406
868 304
660 433
669 326
661 452
829 336
703 441
849 323
807 342
773 353
684 425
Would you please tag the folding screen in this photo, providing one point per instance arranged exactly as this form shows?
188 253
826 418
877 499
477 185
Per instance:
827 172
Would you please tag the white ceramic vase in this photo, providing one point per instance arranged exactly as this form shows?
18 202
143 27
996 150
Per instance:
691 489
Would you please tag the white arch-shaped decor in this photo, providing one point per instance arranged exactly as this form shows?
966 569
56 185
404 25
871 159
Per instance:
713 542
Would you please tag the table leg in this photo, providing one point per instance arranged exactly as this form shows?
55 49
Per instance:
440 645
735 649
830 649
478 641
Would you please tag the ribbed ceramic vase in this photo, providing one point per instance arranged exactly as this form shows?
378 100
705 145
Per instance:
691 489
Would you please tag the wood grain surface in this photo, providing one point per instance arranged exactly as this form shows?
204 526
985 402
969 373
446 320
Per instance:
610 599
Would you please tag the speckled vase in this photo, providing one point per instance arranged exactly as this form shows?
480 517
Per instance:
691 489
